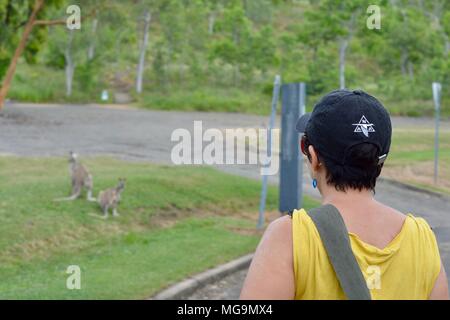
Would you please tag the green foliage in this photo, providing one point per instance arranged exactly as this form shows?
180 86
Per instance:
201 48
54 57
203 99
13 16
87 74
259 11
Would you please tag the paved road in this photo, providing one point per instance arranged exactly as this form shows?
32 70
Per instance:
53 130
47 130
227 288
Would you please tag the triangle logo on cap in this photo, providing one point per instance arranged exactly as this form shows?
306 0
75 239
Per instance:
364 126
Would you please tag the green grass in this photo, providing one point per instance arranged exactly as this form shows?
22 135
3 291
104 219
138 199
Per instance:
411 159
175 221
40 84
414 108
132 266
29 84
415 145
208 99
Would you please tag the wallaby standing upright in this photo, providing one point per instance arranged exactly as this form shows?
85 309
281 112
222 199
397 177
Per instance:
110 198
81 178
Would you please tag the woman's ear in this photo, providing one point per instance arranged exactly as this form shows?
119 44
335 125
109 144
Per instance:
314 159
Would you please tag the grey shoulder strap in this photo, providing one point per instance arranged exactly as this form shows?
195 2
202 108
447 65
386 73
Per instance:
334 236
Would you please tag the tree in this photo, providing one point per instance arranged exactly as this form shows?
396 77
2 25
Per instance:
74 44
196 34
235 35
409 39
32 13
147 11
142 50
340 20
214 8
15 15
262 50
91 48
438 12
259 11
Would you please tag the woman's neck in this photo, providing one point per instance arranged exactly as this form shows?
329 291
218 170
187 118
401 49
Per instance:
331 195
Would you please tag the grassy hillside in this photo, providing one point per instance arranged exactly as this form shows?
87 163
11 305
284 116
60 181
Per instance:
231 67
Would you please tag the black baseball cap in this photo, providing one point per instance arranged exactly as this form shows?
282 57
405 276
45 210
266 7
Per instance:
344 118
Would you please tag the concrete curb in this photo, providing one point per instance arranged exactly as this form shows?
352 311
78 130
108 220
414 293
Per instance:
414 188
188 286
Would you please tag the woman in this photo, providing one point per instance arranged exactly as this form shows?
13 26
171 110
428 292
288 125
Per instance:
346 141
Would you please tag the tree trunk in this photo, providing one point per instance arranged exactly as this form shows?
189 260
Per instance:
92 43
411 70
403 61
21 46
211 23
344 42
342 53
141 64
236 75
70 66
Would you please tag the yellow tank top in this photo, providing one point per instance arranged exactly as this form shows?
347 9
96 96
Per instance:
406 268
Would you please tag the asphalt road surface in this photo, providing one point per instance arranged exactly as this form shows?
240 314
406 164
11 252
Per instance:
140 135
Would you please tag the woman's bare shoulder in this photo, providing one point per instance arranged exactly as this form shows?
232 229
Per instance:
276 244
280 230
272 260
278 238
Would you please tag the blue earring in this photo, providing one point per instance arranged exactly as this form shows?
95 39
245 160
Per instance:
314 183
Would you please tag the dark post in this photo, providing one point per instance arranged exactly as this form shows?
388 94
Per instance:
291 173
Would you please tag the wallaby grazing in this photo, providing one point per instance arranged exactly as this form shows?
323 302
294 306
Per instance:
110 198
81 178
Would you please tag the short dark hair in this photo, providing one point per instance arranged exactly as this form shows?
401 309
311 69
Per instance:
360 170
